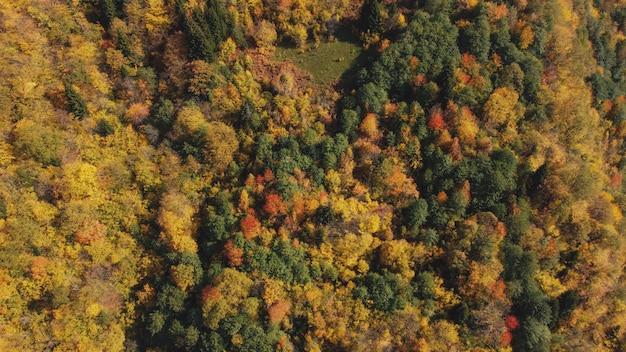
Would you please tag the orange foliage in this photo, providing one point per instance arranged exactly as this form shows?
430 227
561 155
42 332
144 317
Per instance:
390 108
278 310
551 249
500 230
324 198
250 226
137 113
465 78
268 176
274 205
467 60
284 5
498 290
442 197
497 60
497 12
233 253
91 231
420 80
413 62
455 150
607 106
616 180
506 339
38 269
399 183
436 122
210 293
283 343
384 44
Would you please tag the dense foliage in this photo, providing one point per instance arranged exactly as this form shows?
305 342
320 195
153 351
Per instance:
166 184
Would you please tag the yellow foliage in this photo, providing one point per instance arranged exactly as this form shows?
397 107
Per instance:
183 276
229 292
244 200
369 126
550 285
444 298
502 108
298 34
189 122
351 248
527 37
265 34
401 20
176 220
333 181
400 256
93 309
5 154
467 128
369 225
228 49
443 336
156 16
221 144
79 180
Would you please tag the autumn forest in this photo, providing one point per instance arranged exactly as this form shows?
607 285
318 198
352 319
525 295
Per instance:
303 175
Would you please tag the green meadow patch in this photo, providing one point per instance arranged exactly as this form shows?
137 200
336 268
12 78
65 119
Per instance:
327 62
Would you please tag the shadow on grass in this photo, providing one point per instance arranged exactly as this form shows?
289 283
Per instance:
329 61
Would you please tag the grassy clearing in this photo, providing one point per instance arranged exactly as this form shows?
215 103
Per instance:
327 62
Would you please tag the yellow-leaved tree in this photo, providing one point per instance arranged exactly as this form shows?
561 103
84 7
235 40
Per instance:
176 218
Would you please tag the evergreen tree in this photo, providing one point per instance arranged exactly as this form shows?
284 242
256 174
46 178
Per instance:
371 19
75 102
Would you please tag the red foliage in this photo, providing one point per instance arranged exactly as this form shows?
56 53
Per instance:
250 226
268 176
105 44
511 322
506 338
436 122
274 205
233 253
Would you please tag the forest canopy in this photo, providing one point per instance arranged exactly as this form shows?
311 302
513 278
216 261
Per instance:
299 175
